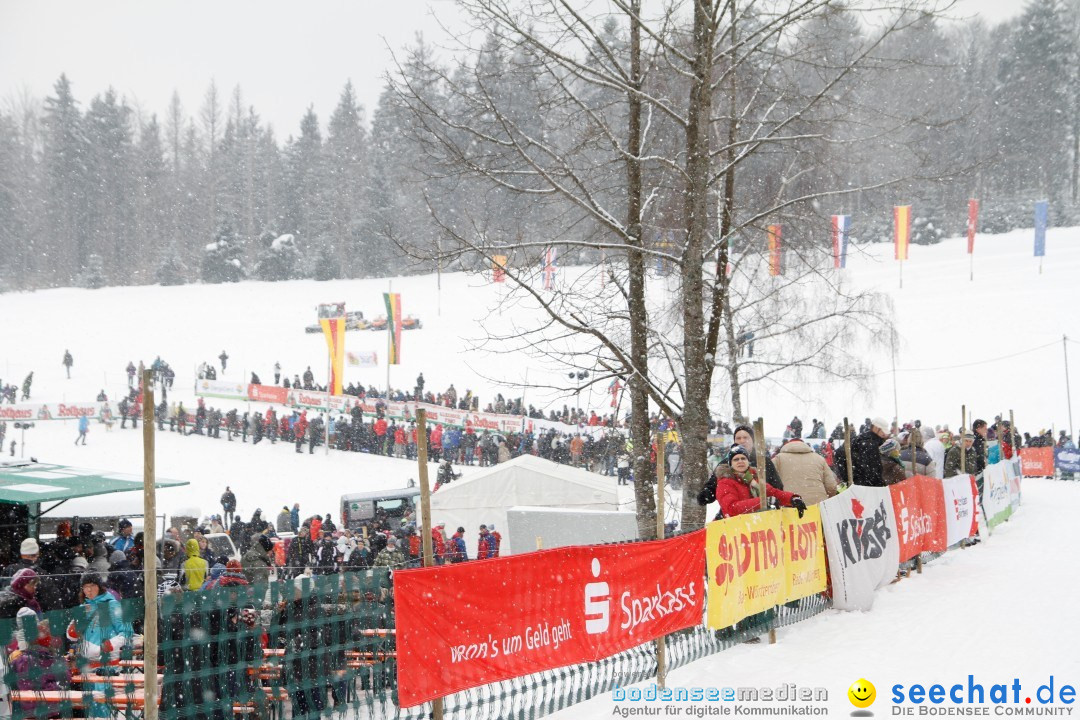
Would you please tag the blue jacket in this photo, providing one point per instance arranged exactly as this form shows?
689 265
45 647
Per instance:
294 518
105 623
84 423
122 543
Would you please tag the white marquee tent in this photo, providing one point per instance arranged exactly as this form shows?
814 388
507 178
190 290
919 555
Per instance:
482 496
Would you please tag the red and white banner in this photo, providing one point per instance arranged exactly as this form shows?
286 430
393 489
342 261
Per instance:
470 624
395 410
50 411
961 504
268 394
1037 461
919 508
862 544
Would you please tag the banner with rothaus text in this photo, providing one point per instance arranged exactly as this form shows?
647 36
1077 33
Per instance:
50 411
961 503
862 544
470 624
919 508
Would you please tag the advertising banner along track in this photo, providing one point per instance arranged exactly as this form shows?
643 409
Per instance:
464 625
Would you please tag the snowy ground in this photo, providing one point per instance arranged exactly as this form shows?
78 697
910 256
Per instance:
999 611
944 321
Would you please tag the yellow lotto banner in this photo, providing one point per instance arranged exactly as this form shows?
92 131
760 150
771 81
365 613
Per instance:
760 560
744 555
804 553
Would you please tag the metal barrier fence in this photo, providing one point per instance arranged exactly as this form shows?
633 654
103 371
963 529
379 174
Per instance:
314 647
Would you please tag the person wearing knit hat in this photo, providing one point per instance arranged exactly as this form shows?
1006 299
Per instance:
737 489
744 437
28 558
21 593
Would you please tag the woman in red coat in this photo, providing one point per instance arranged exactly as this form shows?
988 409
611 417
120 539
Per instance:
737 489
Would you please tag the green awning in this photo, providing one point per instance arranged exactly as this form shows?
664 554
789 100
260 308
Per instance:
24 483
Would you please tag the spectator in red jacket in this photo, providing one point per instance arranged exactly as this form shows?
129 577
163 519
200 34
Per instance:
737 490
496 540
380 436
435 449
438 543
485 547
399 441
300 429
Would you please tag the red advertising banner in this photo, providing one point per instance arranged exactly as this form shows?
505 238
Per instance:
268 394
919 507
1037 461
464 625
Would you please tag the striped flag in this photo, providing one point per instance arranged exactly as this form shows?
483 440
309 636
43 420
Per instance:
334 330
1042 209
550 257
972 223
773 232
498 268
393 328
841 224
902 218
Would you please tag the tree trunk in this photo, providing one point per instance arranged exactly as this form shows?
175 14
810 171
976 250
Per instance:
694 423
639 321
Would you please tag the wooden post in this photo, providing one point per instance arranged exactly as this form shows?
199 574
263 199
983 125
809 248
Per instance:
963 450
150 608
539 542
762 468
425 515
661 643
847 453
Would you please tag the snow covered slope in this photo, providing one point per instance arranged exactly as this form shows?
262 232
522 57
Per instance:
944 321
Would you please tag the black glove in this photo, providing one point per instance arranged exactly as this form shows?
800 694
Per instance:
798 504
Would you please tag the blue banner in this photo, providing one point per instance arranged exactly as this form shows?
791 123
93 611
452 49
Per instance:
1041 211
1067 460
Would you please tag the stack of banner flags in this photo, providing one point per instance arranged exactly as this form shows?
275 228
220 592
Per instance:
550 256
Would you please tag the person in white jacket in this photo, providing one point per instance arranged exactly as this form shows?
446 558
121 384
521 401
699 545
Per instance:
935 449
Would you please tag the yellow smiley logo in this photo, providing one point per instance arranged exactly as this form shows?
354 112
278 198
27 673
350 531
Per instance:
862 693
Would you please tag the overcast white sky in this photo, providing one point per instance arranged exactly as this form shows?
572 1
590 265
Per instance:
285 54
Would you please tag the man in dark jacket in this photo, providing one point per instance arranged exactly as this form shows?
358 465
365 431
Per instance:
228 504
866 466
980 429
952 457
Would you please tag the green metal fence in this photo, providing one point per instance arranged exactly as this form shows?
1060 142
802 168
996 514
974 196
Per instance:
321 646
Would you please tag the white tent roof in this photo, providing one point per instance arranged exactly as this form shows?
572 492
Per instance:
484 496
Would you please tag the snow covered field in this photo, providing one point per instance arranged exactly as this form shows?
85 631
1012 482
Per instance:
944 321
998 611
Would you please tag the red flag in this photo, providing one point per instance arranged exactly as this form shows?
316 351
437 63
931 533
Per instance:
972 223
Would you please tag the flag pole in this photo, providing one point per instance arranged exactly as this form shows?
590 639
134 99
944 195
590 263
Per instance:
150 607
389 330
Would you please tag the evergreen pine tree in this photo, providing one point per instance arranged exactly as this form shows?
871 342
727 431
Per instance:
221 260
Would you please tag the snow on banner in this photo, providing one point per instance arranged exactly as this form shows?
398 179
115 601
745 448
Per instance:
919 508
556 607
961 500
759 560
995 499
1037 461
860 537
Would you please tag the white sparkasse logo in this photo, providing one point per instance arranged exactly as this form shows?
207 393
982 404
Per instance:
597 603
